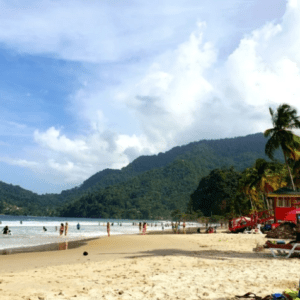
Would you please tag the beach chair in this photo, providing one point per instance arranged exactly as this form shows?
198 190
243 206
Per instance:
284 250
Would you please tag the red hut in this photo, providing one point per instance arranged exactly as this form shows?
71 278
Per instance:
284 206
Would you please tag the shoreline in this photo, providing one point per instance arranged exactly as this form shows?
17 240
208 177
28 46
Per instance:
63 245
68 245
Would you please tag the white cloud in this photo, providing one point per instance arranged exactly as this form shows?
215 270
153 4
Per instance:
90 31
60 143
186 94
21 163
178 95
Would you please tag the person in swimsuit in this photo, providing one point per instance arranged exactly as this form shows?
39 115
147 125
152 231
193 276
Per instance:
108 228
66 228
144 228
62 228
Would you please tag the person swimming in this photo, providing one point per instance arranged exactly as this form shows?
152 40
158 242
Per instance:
6 230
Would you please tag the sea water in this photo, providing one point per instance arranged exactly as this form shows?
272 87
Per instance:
28 231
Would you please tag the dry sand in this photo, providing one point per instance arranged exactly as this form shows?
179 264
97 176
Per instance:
205 266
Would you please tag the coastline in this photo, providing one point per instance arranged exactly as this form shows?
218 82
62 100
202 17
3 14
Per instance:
67 245
63 245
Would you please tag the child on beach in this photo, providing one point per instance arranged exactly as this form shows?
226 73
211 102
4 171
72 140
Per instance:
62 228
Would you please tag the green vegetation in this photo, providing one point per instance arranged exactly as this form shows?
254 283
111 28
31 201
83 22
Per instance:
160 192
284 120
223 177
17 201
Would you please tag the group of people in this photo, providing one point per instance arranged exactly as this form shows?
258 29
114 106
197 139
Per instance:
176 227
253 229
210 229
63 229
143 227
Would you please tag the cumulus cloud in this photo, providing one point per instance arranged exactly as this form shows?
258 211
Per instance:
23 163
90 31
187 94
182 94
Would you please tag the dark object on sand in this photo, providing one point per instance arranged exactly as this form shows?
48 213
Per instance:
85 253
283 231
198 230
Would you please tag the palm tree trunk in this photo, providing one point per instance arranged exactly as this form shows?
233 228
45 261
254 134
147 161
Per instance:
292 181
266 201
251 202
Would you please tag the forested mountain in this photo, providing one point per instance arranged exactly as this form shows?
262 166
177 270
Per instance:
240 152
149 187
157 192
16 200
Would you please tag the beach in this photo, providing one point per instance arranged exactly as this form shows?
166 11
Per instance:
157 266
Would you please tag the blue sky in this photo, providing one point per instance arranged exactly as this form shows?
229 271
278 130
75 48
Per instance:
88 85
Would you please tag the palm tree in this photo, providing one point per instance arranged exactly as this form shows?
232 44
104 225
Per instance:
281 135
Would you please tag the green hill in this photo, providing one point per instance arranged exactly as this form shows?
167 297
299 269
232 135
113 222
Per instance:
168 186
150 186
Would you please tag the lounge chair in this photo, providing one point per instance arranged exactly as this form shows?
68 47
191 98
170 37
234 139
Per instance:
285 250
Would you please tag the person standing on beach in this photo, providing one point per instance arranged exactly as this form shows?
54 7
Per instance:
62 228
108 228
140 227
144 228
78 226
176 227
183 226
66 228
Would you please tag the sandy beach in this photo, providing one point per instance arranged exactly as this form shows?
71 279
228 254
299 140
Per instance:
192 266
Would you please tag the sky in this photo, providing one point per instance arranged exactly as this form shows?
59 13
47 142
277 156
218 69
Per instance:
88 85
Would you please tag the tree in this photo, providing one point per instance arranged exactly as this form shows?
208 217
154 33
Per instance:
216 192
284 120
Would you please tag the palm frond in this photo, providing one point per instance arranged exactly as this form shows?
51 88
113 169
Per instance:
269 132
272 144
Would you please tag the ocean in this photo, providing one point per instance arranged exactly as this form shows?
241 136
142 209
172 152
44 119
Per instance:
28 231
